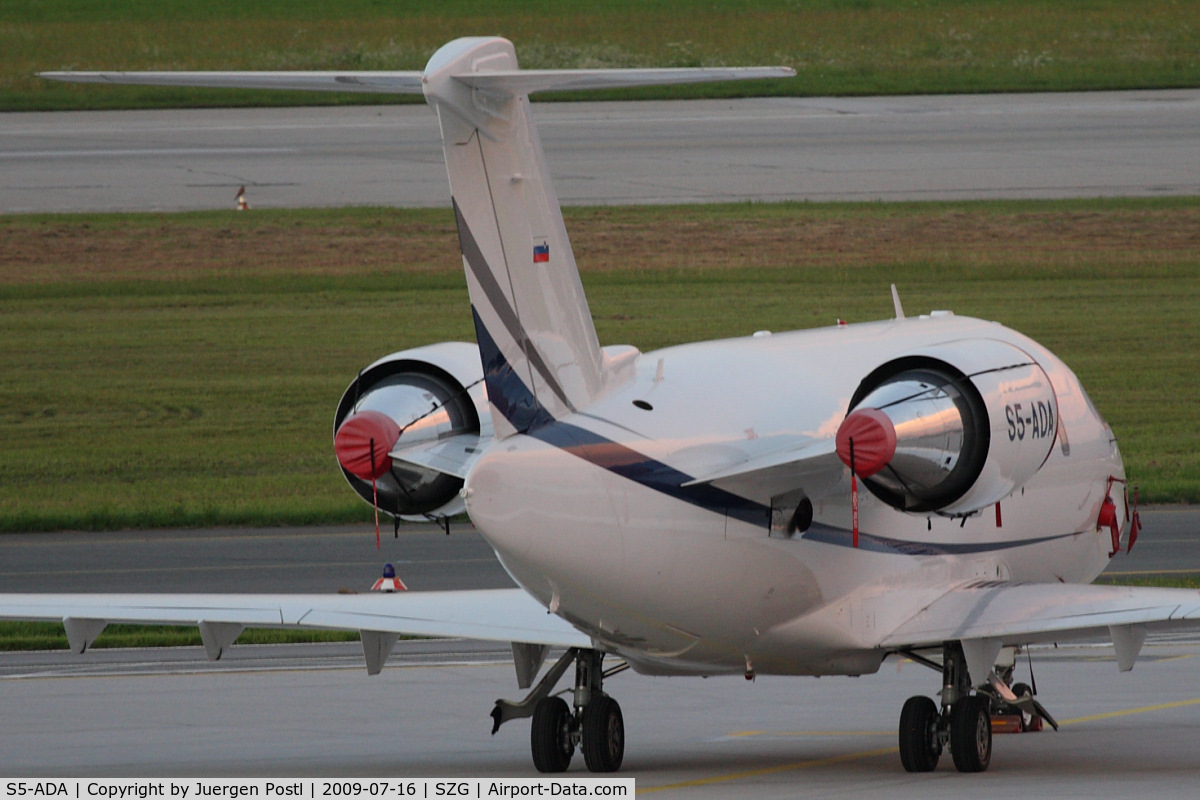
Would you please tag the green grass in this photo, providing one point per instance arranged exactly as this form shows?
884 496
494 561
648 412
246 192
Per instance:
205 404
51 636
204 395
837 47
1156 581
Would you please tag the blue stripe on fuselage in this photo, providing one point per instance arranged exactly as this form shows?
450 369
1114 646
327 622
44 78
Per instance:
654 474
828 534
649 472
514 400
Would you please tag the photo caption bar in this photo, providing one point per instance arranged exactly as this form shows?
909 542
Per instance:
314 788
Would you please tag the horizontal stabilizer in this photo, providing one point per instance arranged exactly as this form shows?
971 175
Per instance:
527 81
537 341
519 81
376 82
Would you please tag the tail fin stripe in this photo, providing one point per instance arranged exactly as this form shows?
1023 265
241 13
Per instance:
504 311
508 394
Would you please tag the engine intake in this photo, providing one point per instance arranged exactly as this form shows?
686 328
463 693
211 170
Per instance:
952 429
402 401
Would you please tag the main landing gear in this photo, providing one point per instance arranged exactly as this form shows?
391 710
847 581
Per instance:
964 721
593 722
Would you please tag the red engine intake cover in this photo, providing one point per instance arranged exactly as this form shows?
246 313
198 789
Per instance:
354 438
874 440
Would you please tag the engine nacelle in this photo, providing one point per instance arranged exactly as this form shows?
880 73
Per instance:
950 429
410 398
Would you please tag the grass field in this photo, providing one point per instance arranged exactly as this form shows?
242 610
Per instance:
51 636
838 47
183 369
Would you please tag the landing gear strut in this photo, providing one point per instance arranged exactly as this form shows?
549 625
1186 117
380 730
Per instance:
964 721
969 713
593 722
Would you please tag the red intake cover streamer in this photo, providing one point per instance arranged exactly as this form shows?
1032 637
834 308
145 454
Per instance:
874 440
352 443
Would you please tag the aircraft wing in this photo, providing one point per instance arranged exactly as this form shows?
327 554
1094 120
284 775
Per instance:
505 615
985 615
451 456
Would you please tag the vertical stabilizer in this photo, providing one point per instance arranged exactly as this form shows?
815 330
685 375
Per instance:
541 357
540 352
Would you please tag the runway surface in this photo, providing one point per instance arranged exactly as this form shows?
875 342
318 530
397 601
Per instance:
944 147
320 559
1123 735
328 559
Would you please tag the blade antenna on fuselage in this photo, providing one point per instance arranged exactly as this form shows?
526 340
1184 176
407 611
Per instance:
896 303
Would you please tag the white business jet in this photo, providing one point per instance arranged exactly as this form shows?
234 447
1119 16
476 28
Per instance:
802 503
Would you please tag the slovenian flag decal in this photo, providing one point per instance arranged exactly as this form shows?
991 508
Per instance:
541 252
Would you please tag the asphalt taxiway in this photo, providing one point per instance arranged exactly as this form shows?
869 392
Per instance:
277 560
345 557
1123 735
1094 144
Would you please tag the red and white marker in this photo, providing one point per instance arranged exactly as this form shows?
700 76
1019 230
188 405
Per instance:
389 582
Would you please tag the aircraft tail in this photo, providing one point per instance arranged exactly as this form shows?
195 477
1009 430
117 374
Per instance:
541 357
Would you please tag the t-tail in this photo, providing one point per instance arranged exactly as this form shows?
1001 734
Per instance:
541 357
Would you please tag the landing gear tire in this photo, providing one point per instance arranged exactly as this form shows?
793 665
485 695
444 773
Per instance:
550 735
971 734
603 735
919 745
